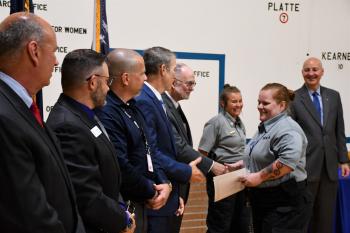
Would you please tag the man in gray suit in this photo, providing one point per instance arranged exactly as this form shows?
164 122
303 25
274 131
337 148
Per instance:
318 110
181 89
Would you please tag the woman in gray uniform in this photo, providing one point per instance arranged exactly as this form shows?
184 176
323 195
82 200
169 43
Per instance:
276 160
224 141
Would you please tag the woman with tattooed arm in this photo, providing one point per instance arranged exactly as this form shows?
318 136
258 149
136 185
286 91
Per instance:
276 161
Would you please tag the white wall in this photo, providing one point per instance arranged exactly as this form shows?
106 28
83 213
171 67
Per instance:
258 47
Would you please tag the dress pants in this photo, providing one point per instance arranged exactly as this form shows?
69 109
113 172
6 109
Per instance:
163 224
140 218
282 209
324 194
229 215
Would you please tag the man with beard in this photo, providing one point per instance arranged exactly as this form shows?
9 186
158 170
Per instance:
89 155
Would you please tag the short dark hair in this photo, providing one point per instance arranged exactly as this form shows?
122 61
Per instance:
77 65
155 57
16 34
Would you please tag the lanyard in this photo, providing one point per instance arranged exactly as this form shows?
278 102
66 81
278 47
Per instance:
148 150
253 143
141 130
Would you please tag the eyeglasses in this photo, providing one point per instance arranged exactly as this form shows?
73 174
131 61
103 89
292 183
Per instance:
110 79
187 83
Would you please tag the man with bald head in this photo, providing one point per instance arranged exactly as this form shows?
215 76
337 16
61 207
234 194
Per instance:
319 111
144 183
37 194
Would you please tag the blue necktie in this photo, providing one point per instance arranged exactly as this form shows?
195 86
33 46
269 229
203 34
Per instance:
317 104
163 106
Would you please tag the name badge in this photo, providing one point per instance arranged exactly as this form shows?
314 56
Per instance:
149 163
96 131
233 132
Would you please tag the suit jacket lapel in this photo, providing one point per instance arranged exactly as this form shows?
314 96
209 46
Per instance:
306 100
44 133
64 101
188 130
172 110
159 106
325 105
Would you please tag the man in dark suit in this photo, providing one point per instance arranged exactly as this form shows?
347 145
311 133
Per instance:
128 132
319 112
160 70
88 153
37 195
180 90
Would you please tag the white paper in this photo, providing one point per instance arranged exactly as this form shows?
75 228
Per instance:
228 184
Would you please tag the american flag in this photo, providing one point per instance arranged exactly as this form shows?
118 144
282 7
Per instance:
100 39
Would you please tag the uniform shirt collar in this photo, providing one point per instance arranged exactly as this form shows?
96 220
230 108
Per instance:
119 101
267 125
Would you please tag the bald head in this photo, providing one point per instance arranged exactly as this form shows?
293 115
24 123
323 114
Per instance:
122 60
27 51
17 30
313 60
128 69
312 72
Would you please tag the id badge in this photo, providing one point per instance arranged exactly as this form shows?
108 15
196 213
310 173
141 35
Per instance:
149 163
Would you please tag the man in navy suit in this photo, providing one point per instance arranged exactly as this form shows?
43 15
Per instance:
319 112
90 156
160 70
36 192
144 182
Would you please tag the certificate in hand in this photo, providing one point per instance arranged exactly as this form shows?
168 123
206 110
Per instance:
228 184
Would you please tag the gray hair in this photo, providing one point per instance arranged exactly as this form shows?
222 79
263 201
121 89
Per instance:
15 35
178 69
155 57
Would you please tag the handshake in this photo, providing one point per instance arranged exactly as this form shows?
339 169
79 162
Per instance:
219 169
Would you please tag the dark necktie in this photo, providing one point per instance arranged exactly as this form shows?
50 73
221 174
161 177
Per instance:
101 126
36 112
261 128
317 104
185 123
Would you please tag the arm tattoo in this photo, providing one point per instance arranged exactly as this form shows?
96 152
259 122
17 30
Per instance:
273 171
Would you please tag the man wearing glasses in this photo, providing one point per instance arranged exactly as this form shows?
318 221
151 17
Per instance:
89 155
181 89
